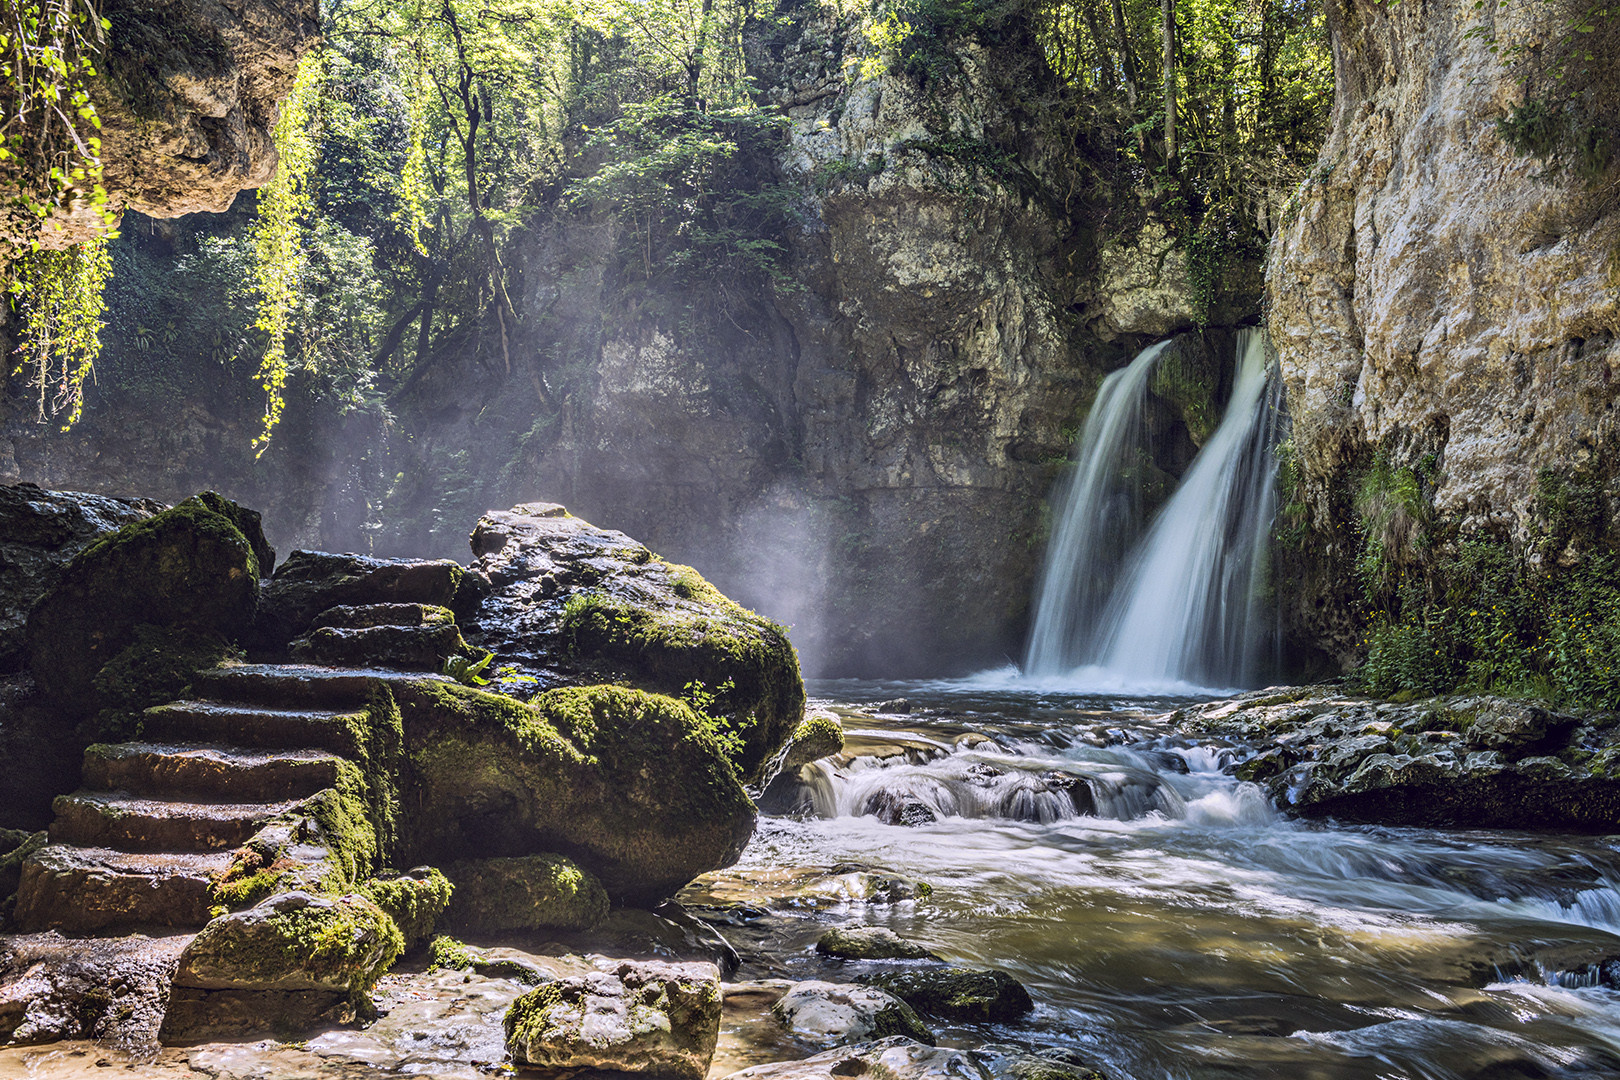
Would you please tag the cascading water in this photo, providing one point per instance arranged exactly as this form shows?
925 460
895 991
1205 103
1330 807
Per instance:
1069 599
1183 612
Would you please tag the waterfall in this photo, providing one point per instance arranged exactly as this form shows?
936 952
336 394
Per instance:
1184 610
1098 509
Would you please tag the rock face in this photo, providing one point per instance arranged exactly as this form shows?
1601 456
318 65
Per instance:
592 604
40 531
1435 293
1459 761
189 92
653 1018
533 892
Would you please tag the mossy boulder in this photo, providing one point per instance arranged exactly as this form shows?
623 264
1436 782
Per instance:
960 994
40 532
188 568
155 667
630 784
817 736
562 592
294 941
414 900
533 892
652 1018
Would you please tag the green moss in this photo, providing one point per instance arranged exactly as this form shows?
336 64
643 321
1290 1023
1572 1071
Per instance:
627 782
448 954
958 993
156 667
530 892
414 901
347 940
247 881
744 660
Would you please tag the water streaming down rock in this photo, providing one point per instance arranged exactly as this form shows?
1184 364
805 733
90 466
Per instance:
1184 610
1099 511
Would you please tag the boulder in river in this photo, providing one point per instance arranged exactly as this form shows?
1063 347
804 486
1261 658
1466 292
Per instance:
654 1018
960 994
870 943
592 605
835 1013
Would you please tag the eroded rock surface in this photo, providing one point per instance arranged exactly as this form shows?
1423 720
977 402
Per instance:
1435 292
189 92
1459 761
653 1018
826 1013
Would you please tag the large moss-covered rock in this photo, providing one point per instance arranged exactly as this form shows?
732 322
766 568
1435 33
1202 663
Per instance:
653 1018
961 994
190 567
631 784
294 941
533 892
414 900
40 532
589 603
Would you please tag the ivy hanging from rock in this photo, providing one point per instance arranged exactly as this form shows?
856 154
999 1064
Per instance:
61 300
278 245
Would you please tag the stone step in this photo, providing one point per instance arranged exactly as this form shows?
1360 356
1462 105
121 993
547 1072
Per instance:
83 890
366 615
232 773
255 726
298 685
417 648
117 819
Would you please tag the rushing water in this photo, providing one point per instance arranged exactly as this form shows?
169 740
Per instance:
1184 610
1170 923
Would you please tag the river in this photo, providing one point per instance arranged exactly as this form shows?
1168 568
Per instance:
1184 928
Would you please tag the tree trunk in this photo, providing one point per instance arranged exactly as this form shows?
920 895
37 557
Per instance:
1167 9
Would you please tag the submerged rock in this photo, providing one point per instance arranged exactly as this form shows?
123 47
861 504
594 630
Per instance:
589 604
870 943
532 892
960 994
834 1013
653 1018
900 1058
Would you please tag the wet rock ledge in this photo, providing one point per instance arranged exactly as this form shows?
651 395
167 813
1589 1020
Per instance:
1471 761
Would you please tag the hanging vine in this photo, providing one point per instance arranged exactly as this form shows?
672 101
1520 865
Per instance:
50 155
279 251
63 301
413 181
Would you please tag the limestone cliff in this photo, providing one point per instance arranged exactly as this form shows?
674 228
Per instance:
1436 293
188 93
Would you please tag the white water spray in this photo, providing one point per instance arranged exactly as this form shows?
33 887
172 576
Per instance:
1184 610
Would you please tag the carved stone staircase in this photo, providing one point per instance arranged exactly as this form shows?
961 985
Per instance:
142 845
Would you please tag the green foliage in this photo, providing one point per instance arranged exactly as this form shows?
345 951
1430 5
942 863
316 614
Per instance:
62 299
1570 114
278 244
468 670
703 702
921 37
50 156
